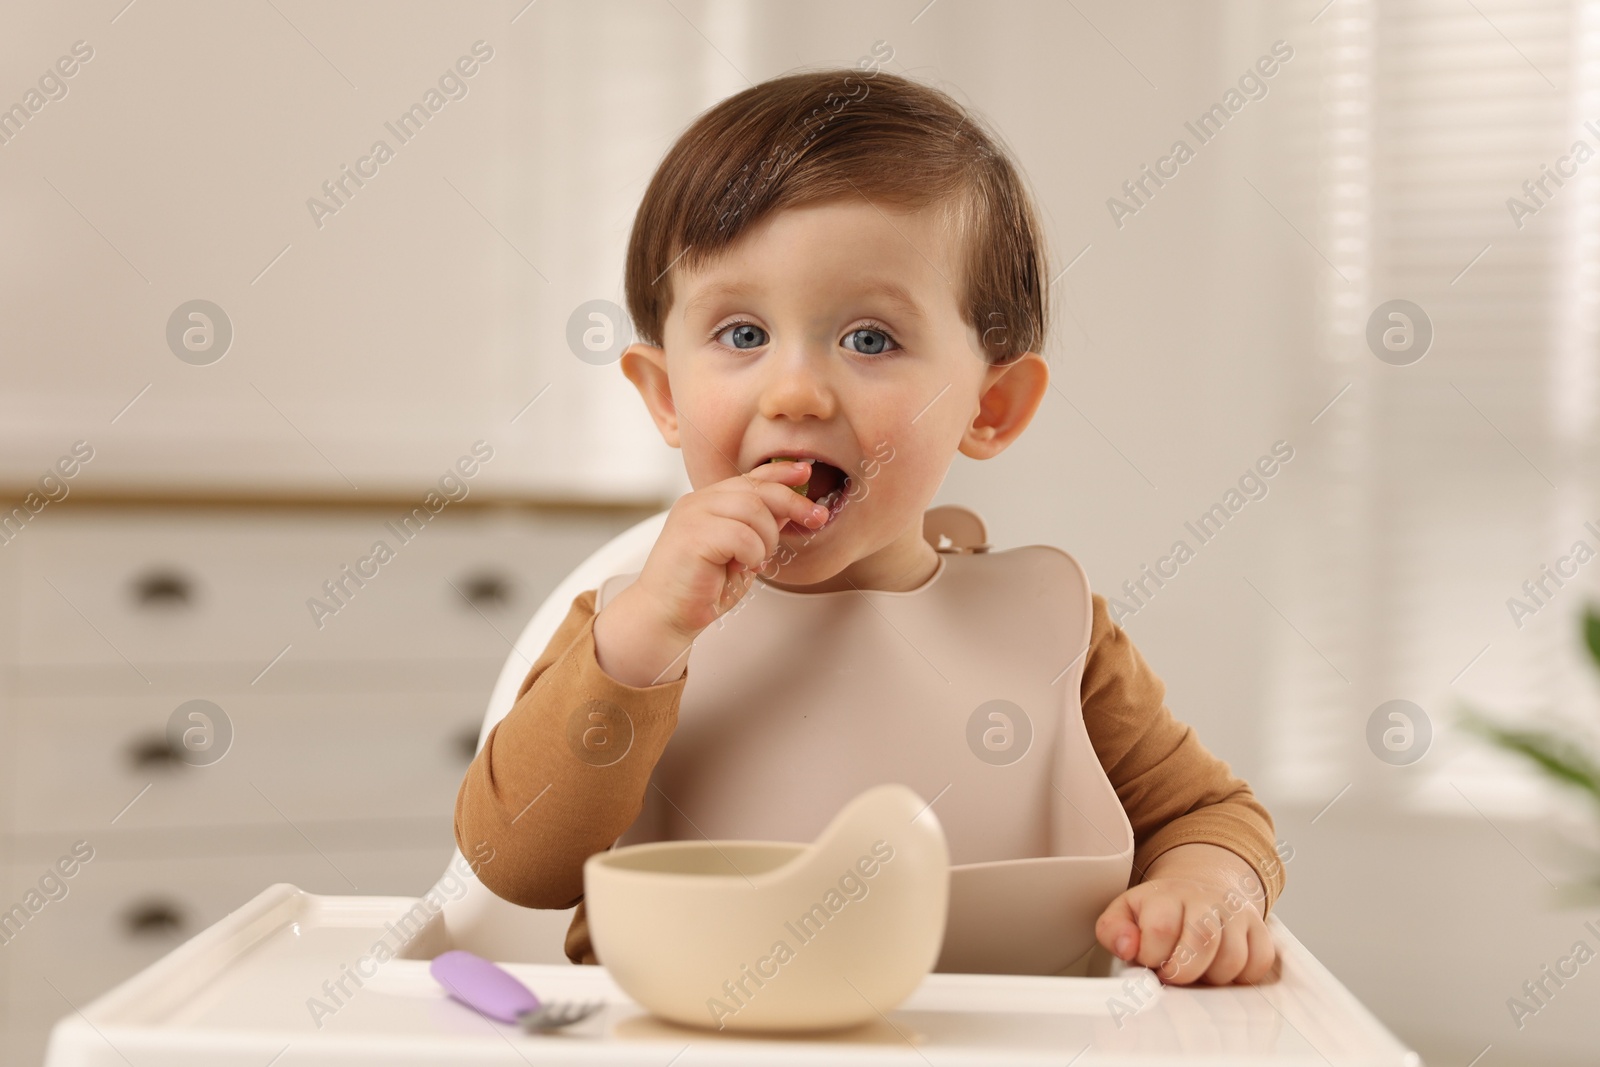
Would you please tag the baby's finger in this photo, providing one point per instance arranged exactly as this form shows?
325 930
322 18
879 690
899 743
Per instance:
762 513
1160 924
734 589
1232 953
1117 929
1263 953
722 526
792 506
789 472
734 539
1202 937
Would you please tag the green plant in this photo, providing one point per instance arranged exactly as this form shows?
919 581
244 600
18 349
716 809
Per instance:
1559 757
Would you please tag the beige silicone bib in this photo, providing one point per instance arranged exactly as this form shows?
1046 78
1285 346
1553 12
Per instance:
965 689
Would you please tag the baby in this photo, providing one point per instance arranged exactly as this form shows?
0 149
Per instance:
843 268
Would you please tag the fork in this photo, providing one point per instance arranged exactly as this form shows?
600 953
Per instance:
490 989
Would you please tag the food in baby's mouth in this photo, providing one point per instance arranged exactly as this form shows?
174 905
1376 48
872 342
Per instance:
825 486
801 488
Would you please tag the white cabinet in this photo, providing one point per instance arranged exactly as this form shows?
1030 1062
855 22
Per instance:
348 740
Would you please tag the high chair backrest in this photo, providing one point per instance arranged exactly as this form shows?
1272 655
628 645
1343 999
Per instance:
478 920
623 554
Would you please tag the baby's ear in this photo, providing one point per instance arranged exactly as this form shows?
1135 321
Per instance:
646 367
1010 397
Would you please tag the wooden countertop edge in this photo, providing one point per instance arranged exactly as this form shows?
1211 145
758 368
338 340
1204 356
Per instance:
478 500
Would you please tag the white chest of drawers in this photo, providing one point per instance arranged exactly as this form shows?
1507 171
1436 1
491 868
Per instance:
349 739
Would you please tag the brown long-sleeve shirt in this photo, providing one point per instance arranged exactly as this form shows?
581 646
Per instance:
544 813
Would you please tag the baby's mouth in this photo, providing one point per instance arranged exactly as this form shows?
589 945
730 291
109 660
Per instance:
827 481
828 486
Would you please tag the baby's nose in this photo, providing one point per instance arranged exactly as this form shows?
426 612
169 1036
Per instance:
798 383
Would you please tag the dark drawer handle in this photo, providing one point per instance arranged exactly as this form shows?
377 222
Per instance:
486 590
163 588
466 742
153 751
153 918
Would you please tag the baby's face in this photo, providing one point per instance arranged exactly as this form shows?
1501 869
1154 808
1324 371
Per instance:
832 329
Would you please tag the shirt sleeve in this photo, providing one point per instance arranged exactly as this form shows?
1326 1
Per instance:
541 798
1173 789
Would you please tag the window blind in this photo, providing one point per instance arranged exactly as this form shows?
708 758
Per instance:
1446 483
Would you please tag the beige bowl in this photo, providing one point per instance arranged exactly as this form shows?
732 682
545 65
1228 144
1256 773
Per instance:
777 935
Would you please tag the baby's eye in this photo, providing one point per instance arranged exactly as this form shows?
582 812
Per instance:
871 341
745 335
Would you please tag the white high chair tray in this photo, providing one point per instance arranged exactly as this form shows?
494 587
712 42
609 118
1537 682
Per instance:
237 994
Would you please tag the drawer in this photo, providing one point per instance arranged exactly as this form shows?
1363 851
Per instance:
120 915
304 759
130 587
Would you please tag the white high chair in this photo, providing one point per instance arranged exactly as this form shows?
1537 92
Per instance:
478 920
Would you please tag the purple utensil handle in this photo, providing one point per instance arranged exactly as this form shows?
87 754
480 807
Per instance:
483 985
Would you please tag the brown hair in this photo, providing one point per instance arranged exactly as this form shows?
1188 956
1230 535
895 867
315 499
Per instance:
823 135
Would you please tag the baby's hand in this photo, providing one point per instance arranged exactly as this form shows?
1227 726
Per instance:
1190 924
717 538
